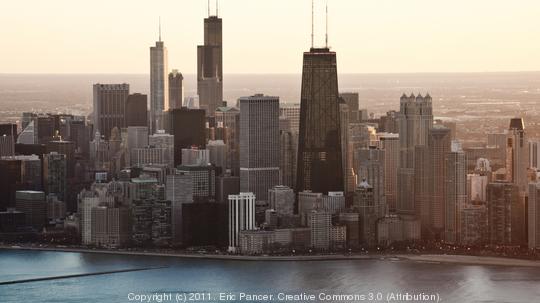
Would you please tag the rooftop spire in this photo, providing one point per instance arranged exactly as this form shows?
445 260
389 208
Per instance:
217 8
159 28
326 23
312 23
208 8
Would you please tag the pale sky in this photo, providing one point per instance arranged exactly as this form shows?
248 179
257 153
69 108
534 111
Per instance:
369 36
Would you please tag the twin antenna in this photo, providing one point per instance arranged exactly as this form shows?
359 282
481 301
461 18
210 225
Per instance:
217 8
313 24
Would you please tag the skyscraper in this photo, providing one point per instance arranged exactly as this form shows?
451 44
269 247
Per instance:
8 137
55 174
109 107
159 84
241 216
415 121
506 214
320 222
137 137
188 128
137 110
370 169
281 199
288 151
517 157
176 89
430 181
210 65
390 145
229 119
179 191
259 144
534 216
352 100
456 193
320 166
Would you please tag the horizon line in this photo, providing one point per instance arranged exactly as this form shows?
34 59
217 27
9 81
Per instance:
278 73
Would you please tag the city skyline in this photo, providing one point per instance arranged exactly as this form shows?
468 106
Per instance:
427 40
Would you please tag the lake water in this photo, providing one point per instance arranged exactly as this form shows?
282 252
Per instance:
452 283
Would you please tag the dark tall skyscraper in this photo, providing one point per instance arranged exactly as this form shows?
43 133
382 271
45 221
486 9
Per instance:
137 110
109 107
320 154
8 137
210 66
176 89
188 128
45 128
10 181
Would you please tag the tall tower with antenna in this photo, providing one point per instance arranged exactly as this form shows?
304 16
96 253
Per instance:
210 63
159 83
320 150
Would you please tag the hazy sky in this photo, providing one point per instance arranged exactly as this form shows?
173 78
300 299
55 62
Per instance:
370 36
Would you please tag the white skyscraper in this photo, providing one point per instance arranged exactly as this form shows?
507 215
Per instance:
241 216
159 85
259 145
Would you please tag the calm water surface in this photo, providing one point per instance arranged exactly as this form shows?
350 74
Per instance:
454 283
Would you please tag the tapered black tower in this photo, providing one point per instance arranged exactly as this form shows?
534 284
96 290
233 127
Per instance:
319 152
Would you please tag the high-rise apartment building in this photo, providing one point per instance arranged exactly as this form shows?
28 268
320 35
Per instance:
259 145
55 174
137 137
534 216
34 206
291 111
390 145
320 223
506 214
352 100
370 168
364 204
281 199
204 181
430 185
218 153
415 121
456 193
110 226
241 217
347 149
179 191
228 118
517 154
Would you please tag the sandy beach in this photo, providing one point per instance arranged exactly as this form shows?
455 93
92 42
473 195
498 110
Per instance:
443 259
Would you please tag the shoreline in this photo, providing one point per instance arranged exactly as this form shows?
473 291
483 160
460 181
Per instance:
422 258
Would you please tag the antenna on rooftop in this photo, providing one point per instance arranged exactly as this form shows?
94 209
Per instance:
327 24
312 23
